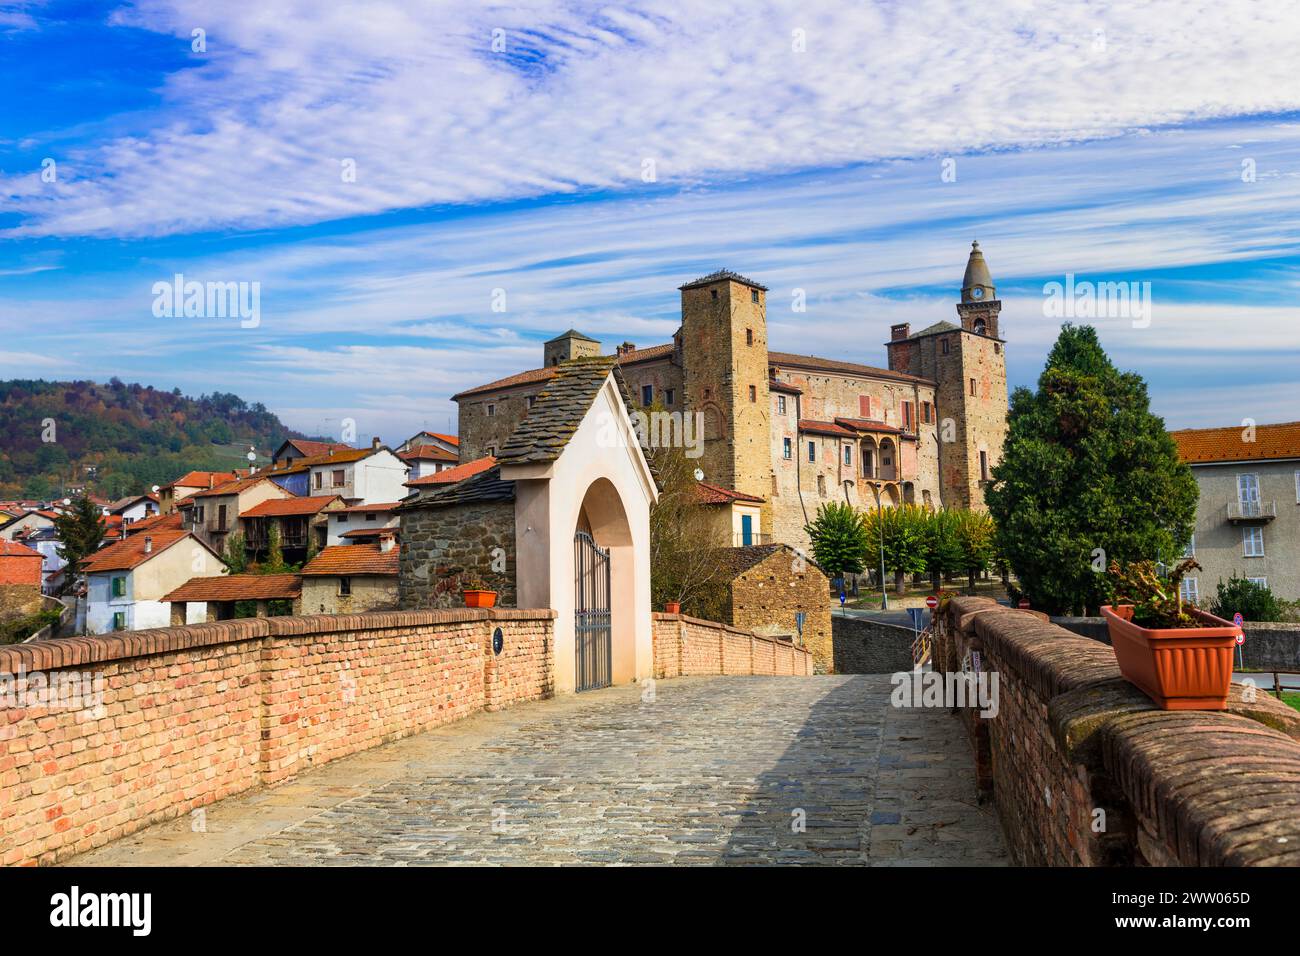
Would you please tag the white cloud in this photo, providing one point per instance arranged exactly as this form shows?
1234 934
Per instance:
254 134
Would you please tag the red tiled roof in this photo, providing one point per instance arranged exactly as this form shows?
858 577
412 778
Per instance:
373 531
377 506
775 386
717 495
453 475
819 364
826 428
344 559
130 553
231 487
172 522
311 448
428 452
545 374
348 454
12 549
201 479
867 425
238 587
305 505
1204 445
449 439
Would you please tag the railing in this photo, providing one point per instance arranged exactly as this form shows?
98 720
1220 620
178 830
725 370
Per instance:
742 540
1252 510
921 648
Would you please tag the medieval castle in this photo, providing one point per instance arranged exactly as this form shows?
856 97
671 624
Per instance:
784 433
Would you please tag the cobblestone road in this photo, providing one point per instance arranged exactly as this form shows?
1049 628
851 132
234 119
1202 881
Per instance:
713 770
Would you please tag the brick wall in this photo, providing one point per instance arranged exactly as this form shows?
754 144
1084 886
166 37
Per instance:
190 715
690 647
1085 771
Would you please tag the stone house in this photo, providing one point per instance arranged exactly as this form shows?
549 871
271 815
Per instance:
350 578
303 524
173 493
20 579
773 589
214 513
1248 514
363 524
794 431
127 581
558 517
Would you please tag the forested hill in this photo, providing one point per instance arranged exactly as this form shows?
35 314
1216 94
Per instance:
120 439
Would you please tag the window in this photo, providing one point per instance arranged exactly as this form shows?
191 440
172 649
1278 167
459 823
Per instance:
715 294
491 451
926 408
670 396
1248 492
1189 589
753 393
119 587
749 336
812 451
907 416
984 466
338 477
119 621
780 410
1190 550
1252 542
753 295
785 448
198 514
848 455
1297 487
997 348
864 406
491 410
320 478
221 517
972 388
372 517
979 326
647 394
943 346
532 400
345 587
1262 582
341 518
821 485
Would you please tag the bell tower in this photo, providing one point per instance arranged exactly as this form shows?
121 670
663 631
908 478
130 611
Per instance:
979 306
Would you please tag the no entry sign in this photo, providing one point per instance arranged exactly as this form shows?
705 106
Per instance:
932 602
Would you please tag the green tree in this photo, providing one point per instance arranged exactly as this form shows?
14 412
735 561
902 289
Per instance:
943 549
1255 602
235 554
839 539
81 532
684 565
904 530
975 532
1088 475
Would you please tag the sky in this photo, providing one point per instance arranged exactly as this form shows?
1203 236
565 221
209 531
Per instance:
422 193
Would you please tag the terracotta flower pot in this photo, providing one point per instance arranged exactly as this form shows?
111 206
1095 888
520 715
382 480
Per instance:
672 607
480 598
1184 668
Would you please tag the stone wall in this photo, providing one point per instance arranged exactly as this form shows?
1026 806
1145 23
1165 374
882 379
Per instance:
864 646
190 715
19 600
690 647
772 592
481 433
443 548
1086 771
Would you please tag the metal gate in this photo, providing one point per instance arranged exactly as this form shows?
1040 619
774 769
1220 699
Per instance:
591 615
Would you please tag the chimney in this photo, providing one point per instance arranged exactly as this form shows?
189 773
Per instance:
148 545
375 443
900 331
386 542
624 348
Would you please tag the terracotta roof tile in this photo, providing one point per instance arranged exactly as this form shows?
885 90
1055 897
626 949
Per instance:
314 448
201 479
532 376
12 549
343 559
835 365
231 487
373 531
867 425
238 587
1206 445
335 457
305 505
717 495
376 506
428 453
826 428
172 522
450 476
130 551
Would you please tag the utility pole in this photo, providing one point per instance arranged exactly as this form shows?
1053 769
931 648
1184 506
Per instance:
880 521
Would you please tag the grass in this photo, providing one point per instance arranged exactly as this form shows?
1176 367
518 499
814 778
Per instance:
1291 699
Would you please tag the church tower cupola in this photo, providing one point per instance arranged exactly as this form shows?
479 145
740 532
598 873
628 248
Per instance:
979 306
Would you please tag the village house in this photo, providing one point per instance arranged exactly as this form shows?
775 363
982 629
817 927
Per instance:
358 475
1248 514
295 449
26 523
127 581
426 439
214 514
363 524
350 578
790 432
46 542
302 523
134 507
173 493
217 597
20 580
427 460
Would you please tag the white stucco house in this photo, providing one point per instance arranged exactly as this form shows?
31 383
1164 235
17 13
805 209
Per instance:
126 581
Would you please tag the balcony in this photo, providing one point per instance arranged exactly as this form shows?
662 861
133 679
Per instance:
742 540
1251 512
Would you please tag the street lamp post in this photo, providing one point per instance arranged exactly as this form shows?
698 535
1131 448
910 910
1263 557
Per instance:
880 520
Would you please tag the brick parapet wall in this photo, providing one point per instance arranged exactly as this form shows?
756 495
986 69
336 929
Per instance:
1071 737
687 646
190 715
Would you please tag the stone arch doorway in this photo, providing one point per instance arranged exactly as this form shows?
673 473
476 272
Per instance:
604 590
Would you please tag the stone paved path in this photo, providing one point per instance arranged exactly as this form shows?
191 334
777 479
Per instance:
713 770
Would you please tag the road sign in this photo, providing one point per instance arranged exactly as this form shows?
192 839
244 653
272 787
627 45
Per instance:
1024 604
918 617
1241 639
1238 619
841 599
932 602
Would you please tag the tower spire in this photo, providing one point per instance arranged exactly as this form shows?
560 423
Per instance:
977 284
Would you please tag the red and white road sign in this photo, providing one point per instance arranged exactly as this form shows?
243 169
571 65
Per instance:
1241 639
932 602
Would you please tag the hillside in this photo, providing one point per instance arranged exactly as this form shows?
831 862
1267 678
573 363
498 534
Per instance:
120 439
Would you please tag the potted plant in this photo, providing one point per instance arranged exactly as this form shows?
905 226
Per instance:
477 594
1179 656
673 607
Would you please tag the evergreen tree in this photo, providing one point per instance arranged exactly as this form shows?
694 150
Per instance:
1088 475
839 539
81 532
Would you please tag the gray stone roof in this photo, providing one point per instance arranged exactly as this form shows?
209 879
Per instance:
559 410
486 486
718 276
571 334
934 330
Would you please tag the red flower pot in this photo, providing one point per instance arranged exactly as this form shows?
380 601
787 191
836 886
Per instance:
480 598
672 607
1180 668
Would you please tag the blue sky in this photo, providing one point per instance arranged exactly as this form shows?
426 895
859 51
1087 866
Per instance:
802 144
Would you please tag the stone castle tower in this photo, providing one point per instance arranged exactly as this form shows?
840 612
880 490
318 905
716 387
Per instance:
969 365
724 332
